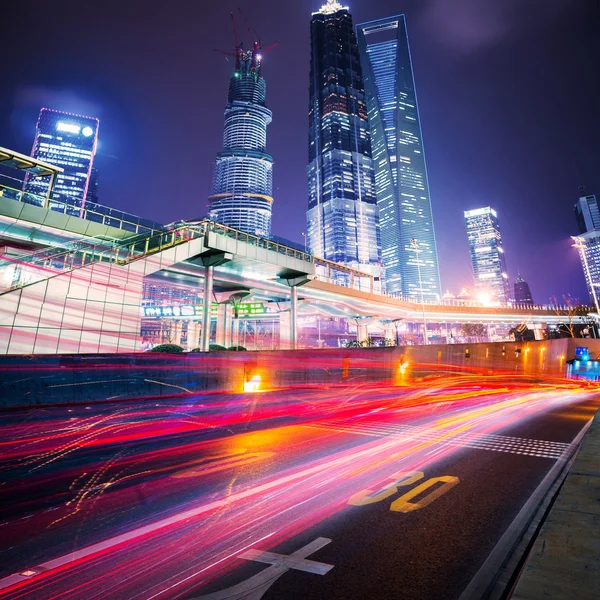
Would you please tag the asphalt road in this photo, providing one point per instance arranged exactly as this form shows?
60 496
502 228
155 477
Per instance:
349 492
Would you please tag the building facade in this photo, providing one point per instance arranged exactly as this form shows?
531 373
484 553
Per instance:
68 141
587 213
242 188
588 244
522 292
487 254
342 217
399 161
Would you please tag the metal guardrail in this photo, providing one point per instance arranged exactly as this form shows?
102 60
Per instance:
96 213
48 263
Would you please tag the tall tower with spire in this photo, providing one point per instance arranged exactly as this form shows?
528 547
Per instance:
242 187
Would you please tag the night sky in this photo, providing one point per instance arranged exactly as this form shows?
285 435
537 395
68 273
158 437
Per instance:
509 96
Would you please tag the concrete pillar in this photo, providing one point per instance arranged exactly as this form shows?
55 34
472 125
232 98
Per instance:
177 331
285 342
294 318
389 332
224 323
208 287
193 334
362 334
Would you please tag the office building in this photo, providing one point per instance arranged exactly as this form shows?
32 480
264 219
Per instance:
400 171
522 291
487 255
587 213
342 217
92 192
242 187
67 141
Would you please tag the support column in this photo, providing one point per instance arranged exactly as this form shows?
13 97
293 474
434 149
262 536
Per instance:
285 326
193 334
177 331
208 287
294 318
362 334
224 318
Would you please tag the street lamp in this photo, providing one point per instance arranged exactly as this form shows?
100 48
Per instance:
415 246
304 236
581 246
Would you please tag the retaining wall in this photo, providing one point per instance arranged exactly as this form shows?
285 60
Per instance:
68 379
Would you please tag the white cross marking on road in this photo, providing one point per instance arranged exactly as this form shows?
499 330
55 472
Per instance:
254 587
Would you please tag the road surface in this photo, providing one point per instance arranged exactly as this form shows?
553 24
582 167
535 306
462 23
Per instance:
369 491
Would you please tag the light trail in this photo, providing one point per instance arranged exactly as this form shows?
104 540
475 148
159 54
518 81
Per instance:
219 486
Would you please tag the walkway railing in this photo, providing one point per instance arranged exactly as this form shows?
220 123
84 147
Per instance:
90 211
31 268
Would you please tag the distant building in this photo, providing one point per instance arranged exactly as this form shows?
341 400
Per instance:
487 253
67 141
522 292
342 217
398 157
92 192
588 245
587 213
242 188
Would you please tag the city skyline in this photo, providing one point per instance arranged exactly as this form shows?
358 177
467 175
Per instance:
518 189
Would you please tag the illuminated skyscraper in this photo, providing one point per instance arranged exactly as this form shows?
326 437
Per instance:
242 188
587 213
342 215
400 171
67 141
487 253
522 291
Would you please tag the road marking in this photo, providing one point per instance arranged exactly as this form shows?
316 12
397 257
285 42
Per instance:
365 497
255 587
404 504
492 442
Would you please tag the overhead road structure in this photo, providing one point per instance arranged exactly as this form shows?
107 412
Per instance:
84 295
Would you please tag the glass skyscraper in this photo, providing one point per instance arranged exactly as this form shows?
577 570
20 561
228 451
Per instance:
487 253
400 171
587 214
242 188
67 141
342 215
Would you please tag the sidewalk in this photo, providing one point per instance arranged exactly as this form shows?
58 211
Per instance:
564 562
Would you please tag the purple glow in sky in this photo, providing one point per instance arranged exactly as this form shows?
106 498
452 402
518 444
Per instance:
508 93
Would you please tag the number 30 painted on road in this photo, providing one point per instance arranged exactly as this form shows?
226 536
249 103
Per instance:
404 504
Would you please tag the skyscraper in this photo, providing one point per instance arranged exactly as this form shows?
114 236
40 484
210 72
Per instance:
400 171
522 291
242 187
587 213
67 141
342 215
487 253
92 192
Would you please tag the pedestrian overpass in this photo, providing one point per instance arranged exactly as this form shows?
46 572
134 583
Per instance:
74 283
